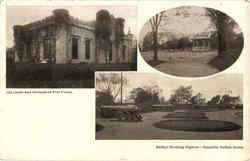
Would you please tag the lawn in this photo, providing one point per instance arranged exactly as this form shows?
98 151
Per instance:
58 75
182 63
87 83
146 130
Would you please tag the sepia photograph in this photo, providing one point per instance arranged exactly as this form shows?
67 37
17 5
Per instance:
147 106
62 47
191 41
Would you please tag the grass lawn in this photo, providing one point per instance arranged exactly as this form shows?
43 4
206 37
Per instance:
146 130
88 83
182 63
226 60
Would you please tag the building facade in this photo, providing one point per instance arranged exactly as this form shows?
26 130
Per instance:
61 38
202 42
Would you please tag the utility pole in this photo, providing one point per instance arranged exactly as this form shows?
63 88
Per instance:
121 87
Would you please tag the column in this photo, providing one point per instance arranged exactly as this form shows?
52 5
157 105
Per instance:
208 44
41 50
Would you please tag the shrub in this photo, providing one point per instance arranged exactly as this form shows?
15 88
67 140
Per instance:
49 72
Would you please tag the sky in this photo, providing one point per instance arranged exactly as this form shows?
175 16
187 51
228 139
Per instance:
21 15
180 24
209 87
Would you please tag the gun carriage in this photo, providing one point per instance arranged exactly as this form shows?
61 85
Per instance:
121 112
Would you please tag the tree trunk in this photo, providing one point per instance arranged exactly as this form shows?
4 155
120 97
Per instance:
156 45
221 43
221 37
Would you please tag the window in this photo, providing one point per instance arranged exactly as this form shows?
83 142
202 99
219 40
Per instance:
47 49
29 49
74 48
110 53
124 52
87 48
205 43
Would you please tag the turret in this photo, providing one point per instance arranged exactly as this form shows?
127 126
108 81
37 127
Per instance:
18 29
61 14
130 35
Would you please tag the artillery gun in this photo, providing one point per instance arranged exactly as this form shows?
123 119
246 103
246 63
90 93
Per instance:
121 112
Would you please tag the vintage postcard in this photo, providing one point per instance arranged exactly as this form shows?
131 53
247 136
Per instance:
124 80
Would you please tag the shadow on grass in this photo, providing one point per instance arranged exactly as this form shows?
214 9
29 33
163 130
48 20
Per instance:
197 125
99 127
154 63
227 59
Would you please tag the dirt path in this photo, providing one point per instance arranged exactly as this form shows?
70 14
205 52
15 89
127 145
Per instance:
185 64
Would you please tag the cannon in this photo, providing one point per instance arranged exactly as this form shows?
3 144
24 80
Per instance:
121 112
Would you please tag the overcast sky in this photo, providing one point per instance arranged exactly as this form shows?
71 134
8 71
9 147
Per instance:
21 15
183 21
209 87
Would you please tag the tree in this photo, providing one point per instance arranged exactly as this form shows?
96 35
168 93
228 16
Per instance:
219 20
147 41
111 84
225 28
182 95
155 23
162 100
198 99
103 98
227 99
184 43
172 44
214 100
147 94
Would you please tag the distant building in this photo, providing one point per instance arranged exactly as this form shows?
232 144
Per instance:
202 41
234 101
60 38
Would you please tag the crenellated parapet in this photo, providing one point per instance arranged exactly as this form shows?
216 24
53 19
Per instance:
62 38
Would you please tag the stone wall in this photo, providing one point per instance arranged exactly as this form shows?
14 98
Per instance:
30 40
61 47
82 35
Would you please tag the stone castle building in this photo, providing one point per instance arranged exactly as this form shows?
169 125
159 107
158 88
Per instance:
61 38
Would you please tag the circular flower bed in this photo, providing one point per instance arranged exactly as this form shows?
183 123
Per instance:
197 125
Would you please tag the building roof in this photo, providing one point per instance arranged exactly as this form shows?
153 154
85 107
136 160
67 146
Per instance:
203 35
65 17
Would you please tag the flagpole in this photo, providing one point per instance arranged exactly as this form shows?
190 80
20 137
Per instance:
121 87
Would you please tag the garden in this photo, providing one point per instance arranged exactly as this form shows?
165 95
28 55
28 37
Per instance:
195 125
191 111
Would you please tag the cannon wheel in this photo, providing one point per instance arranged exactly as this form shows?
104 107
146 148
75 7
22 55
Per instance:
128 116
120 116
